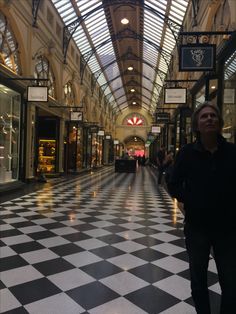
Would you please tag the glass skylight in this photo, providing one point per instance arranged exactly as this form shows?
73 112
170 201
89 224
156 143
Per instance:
92 38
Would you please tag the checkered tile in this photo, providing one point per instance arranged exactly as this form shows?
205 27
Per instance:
100 243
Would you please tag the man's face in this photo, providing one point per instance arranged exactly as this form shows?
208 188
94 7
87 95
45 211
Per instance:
208 121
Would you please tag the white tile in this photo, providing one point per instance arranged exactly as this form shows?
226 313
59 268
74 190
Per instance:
8 301
160 220
56 304
6 251
131 225
82 258
43 221
117 306
126 261
162 228
212 266
102 224
90 244
180 308
98 232
64 230
6 227
163 236
171 264
14 220
216 288
175 285
16 239
70 279
19 275
168 248
129 246
32 229
54 241
124 283
130 234
39 256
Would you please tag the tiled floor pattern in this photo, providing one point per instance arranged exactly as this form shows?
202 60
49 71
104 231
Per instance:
102 243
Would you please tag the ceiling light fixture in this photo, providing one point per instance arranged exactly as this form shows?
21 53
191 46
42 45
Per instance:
134 102
125 21
130 68
132 90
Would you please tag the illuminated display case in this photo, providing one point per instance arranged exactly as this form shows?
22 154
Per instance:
47 156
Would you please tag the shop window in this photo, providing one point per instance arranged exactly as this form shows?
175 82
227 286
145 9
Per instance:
69 96
9 55
43 71
9 134
229 100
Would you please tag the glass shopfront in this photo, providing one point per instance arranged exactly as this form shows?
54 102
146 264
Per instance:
9 134
229 99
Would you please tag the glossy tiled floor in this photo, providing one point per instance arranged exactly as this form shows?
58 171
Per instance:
102 243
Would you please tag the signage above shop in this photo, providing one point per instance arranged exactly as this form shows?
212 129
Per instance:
76 116
197 57
116 142
162 117
108 137
101 133
94 129
155 129
37 93
175 95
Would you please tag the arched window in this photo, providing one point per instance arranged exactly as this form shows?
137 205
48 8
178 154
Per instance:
134 119
43 71
9 55
69 95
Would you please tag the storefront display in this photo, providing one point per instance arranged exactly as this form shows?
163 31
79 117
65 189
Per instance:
9 134
47 156
229 99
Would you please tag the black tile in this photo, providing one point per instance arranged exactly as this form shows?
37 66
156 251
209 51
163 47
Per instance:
147 231
149 254
150 273
11 262
2 286
118 221
74 237
23 224
101 269
151 299
66 249
27 247
177 232
35 217
106 252
146 223
92 295
2 244
8 216
34 290
90 219
111 238
54 266
84 227
115 229
42 235
148 241
179 242
182 256
61 218
54 225
9 233
18 310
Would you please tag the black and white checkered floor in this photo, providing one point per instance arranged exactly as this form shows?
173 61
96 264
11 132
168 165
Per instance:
102 243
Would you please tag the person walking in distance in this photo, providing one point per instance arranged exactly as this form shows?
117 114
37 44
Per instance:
203 179
161 154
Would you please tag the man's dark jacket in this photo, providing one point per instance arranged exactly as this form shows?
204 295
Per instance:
206 183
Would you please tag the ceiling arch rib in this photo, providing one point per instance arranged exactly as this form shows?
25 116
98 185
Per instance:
87 23
122 35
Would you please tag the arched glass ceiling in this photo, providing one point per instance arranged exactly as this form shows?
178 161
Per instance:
94 31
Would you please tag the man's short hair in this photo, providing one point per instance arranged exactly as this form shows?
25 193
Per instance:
199 109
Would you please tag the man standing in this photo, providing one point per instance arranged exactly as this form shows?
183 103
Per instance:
203 179
161 154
